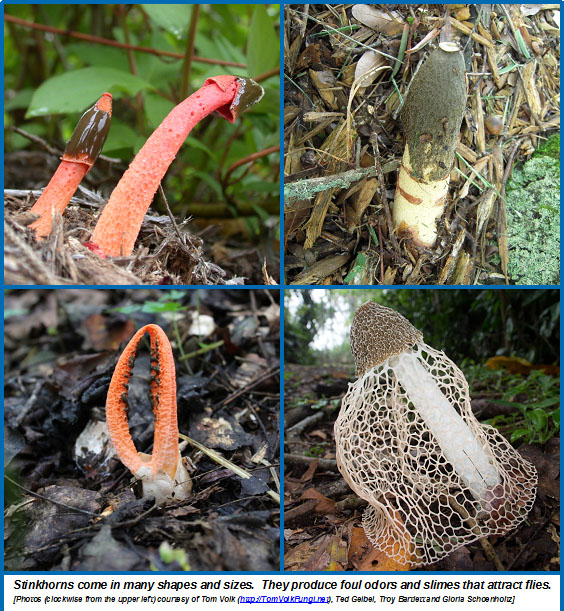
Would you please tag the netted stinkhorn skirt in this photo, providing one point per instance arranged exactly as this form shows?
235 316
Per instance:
421 509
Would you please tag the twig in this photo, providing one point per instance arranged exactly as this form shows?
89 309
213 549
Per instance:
115 43
247 387
325 464
304 189
189 54
248 159
53 151
90 514
204 350
383 198
220 460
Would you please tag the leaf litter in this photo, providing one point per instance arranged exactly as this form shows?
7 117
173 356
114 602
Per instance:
339 118
70 504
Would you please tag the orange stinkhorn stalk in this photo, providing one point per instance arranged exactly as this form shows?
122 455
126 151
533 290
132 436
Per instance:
81 152
119 224
163 474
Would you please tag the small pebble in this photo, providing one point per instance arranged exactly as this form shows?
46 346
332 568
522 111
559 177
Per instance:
494 125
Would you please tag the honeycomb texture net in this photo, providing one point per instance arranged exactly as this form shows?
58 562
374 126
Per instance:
420 508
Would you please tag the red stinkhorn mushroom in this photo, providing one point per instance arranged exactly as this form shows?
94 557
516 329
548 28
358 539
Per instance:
119 224
163 474
81 152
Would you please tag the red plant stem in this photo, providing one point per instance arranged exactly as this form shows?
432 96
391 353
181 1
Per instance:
189 54
249 159
114 43
265 75
80 155
119 224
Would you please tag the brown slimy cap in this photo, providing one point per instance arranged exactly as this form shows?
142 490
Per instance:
90 133
247 93
377 333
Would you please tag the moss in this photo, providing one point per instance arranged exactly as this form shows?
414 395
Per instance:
549 148
533 222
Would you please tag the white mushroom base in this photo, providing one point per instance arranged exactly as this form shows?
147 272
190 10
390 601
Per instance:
418 204
165 489
436 479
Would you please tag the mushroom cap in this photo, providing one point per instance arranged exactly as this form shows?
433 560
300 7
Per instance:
377 333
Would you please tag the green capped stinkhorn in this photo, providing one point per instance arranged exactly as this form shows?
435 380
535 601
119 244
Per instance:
431 118
80 155
119 224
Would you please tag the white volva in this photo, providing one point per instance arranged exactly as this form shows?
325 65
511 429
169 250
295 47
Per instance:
456 440
161 486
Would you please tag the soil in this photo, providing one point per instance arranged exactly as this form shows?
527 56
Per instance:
70 503
322 516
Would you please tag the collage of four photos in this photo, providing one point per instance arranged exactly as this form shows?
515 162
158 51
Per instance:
281 288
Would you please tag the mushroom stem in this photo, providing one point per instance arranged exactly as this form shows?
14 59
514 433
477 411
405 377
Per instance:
431 117
119 224
163 474
459 445
80 155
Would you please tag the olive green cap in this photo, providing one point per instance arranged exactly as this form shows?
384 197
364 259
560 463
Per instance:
432 113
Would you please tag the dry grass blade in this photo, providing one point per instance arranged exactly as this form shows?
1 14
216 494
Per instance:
220 460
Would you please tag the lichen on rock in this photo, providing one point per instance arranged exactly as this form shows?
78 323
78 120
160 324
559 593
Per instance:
533 222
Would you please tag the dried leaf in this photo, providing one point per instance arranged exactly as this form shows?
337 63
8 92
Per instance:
463 271
328 553
106 334
325 505
320 270
359 202
365 72
365 557
388 22
528 10
485 209
324 82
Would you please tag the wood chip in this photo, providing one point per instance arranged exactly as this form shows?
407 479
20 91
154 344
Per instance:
317 272
466 30
531 91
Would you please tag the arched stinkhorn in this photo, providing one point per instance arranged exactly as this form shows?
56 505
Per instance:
163 474
408 443
80 154
119 224
431 118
